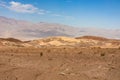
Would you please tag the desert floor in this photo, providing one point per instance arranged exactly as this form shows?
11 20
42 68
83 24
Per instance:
59 63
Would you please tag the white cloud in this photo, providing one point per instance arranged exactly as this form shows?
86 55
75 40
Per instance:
29 8
22 8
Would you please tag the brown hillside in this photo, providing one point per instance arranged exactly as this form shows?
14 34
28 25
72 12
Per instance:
93 38
10 39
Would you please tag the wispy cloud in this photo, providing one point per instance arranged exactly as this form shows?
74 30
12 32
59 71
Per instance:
22 8
57 15
63 16
2 3
30 9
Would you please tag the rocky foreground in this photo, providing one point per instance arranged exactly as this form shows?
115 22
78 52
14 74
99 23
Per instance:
60 58
61 63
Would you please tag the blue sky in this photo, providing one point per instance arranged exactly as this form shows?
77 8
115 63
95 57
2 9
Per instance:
78 13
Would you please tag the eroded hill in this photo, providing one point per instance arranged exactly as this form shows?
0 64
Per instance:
85 41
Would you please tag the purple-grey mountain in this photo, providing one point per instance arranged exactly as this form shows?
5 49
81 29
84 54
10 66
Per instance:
28 30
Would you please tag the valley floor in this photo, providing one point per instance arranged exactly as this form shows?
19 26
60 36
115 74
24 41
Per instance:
61 63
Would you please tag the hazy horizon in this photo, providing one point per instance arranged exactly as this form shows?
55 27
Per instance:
77 13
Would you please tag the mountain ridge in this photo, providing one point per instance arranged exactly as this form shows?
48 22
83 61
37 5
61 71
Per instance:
26 30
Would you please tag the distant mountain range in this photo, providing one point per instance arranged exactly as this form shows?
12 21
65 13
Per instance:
27 30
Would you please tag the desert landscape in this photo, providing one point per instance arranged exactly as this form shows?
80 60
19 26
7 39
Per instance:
60 58
59 39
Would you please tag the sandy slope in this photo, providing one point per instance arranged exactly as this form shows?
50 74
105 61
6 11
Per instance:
85 41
